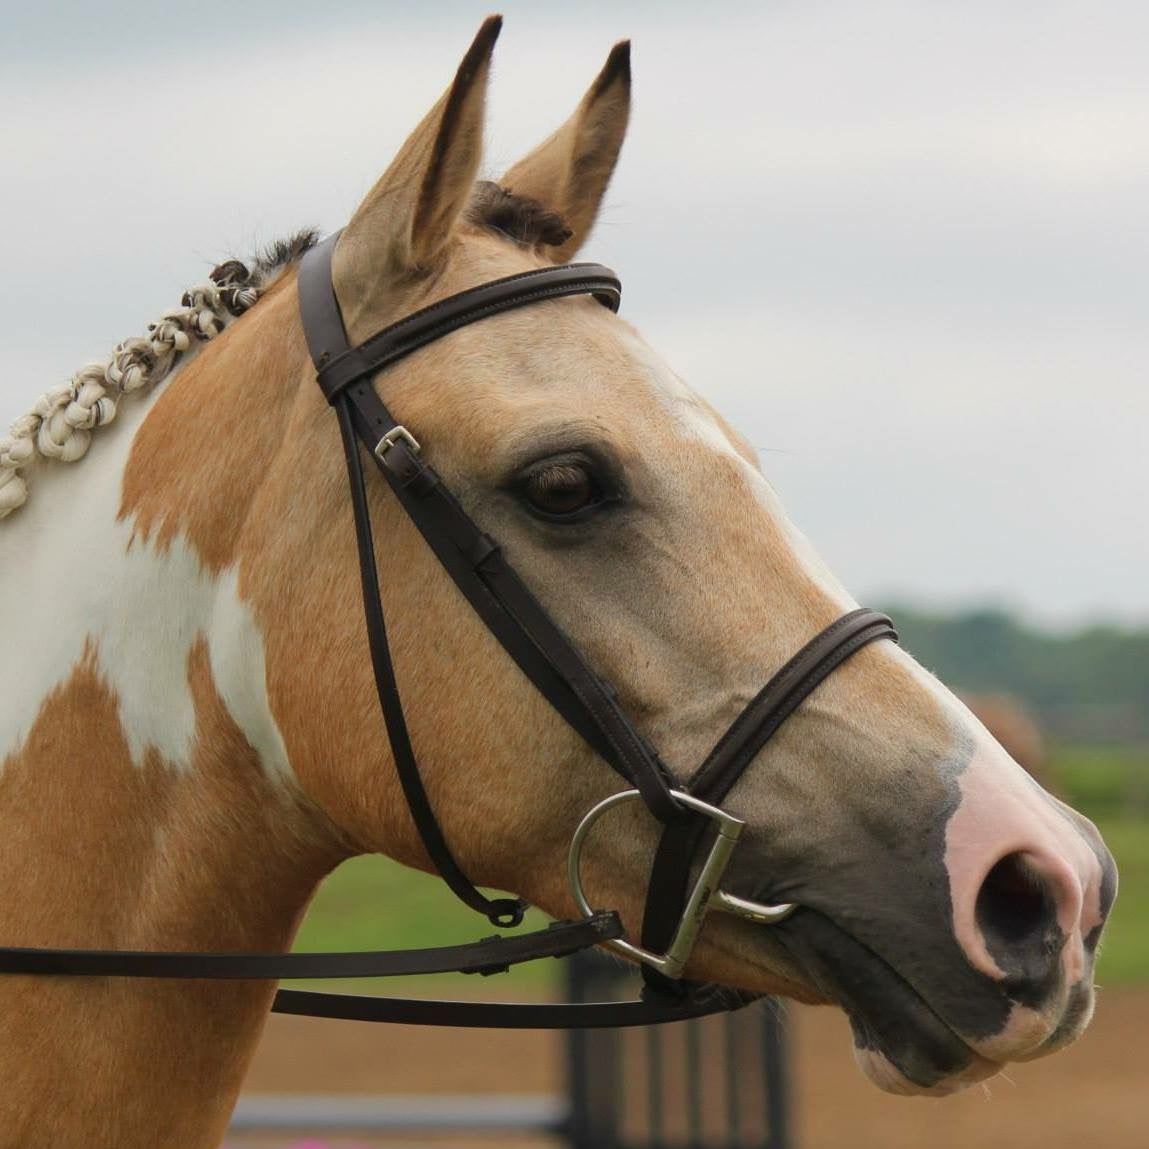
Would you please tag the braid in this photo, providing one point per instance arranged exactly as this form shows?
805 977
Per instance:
61 424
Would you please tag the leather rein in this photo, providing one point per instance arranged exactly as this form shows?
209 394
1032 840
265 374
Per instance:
690 815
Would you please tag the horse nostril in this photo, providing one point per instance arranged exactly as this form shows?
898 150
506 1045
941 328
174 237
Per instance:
1015 906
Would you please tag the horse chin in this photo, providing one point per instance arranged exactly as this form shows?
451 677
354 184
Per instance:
883 1073
900 1042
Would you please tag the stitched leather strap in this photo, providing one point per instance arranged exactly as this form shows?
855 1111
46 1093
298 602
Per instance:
670 872
340 365
490 955
781 696
508 1015
499 911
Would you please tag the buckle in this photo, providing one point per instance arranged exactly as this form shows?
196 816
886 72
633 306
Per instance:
703 896
392 437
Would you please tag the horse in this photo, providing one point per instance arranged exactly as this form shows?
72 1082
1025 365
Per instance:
189 731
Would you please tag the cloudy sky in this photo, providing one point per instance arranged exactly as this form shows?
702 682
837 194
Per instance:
904 246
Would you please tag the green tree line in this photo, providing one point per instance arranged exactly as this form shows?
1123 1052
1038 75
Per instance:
1088 685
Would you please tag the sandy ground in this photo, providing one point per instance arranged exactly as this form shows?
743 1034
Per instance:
1093 1095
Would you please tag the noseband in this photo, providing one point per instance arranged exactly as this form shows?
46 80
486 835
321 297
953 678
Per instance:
690 813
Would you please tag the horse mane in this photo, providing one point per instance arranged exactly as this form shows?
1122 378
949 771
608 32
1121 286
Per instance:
61 423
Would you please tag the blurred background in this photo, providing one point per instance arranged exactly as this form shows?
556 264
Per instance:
902 246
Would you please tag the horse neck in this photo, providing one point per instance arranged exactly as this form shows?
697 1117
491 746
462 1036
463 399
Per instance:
145 797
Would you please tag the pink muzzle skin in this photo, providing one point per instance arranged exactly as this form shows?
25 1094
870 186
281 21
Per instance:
1028 879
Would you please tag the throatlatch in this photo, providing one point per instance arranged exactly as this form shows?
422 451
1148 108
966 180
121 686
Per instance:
691 816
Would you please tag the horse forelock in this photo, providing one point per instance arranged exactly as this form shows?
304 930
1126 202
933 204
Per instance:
519 218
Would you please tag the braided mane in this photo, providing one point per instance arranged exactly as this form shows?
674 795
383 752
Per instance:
61 424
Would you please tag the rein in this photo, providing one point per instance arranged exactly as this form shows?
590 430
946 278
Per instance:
690 815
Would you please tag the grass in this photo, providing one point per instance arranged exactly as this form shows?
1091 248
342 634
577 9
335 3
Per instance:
374 903
1124 958
1102 781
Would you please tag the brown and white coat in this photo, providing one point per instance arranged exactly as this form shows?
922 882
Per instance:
185 685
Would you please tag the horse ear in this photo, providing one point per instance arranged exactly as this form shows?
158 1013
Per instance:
406 220
569 172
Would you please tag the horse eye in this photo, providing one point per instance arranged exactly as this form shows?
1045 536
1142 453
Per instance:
561 489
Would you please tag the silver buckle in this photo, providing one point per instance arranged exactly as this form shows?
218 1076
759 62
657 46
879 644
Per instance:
703 896
389 440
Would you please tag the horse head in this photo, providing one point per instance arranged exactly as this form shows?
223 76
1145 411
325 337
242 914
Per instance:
947 902
944 900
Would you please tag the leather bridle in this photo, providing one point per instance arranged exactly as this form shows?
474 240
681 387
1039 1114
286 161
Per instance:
678 898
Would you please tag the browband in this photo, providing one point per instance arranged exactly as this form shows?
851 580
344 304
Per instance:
339 365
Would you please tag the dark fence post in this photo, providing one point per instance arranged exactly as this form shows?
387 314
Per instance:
777 1080
713 1083
594 1072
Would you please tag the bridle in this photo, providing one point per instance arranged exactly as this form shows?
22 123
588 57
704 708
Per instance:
690 814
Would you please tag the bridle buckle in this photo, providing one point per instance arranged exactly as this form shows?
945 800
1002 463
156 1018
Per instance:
392 437
704 894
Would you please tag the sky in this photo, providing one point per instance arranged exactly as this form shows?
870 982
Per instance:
903 246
